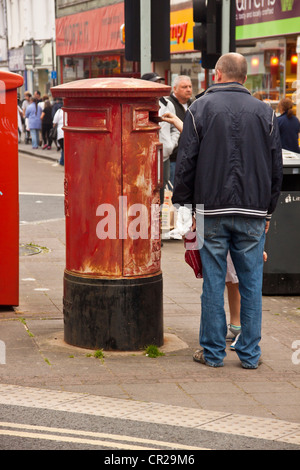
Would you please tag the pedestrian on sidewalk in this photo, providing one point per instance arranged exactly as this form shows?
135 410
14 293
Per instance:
42 102
47 124
230 164
289 126
58 121
181 98
26 102
33 113
37 95
231 280
58 103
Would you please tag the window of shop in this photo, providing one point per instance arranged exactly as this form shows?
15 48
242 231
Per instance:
110 65
105 66
272 69
75 68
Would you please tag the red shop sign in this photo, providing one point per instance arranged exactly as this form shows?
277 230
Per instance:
90 31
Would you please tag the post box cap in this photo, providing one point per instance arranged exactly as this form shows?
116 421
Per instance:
111 87
11 80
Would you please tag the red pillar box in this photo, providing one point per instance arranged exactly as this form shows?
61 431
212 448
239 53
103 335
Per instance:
9 189
113 172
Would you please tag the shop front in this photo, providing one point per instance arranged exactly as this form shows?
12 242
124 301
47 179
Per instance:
90 45
267 32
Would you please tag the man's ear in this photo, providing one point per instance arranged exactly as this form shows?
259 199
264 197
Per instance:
218 76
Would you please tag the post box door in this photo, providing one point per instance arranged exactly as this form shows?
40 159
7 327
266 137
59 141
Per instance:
142 160
92 137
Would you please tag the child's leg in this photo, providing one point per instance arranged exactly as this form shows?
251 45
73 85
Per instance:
234 301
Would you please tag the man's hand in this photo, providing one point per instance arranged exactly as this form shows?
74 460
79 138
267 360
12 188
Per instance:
193 229
267 226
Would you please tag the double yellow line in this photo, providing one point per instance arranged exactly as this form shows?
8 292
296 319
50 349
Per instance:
112 441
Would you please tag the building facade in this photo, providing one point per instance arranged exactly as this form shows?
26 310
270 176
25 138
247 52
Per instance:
58 41
89 44
89 40
28 45
267 33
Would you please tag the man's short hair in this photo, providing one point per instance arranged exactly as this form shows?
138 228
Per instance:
179 78
233 65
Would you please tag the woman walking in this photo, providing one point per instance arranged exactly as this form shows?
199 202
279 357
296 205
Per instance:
47 123
33 113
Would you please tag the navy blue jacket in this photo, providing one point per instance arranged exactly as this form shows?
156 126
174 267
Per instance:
289 129
230 156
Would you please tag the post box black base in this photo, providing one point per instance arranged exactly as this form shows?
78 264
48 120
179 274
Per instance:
120 314
281 284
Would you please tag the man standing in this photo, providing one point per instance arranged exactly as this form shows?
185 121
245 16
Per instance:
230 161
181 99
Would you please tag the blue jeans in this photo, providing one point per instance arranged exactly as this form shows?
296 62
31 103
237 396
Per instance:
245 238
35 137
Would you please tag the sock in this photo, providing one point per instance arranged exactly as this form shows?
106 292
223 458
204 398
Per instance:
234 329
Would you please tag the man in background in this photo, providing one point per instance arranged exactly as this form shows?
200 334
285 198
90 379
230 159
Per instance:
181 99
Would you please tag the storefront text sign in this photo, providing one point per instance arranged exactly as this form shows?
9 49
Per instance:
181 31
262 18
90 31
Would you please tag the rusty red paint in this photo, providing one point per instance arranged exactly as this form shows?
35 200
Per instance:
112 154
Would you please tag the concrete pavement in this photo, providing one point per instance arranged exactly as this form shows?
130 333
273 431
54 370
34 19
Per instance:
261 403
52 154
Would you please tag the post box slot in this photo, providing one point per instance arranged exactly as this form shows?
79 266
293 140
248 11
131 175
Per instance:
88 119
154 117
143 119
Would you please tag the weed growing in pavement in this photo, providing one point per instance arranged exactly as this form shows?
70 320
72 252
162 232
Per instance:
22 320
97 354
153 351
